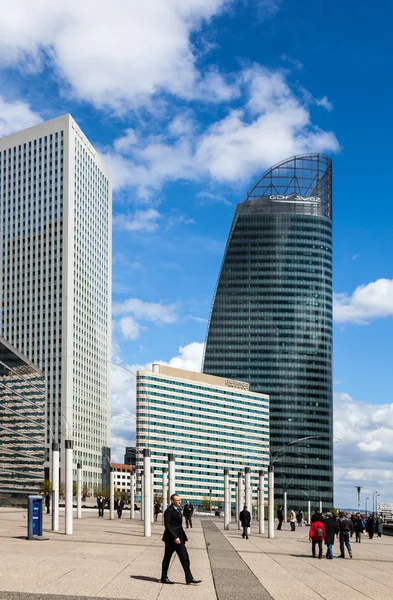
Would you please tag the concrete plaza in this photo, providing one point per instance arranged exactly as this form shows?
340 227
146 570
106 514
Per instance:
112 559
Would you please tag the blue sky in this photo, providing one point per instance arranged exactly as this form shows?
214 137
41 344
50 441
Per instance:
190 102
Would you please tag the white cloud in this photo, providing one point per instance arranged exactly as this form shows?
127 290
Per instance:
123 400
129 328
142 220
155 312
114 56
273 125
368 302
365 452
325 103
15 116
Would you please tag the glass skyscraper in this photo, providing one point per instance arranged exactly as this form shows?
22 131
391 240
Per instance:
271 321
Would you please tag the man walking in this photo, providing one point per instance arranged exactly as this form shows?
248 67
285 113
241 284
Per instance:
331 529
187 514
101 506
292 519
120 506
280 517
47 503
245 520
175 539
346 528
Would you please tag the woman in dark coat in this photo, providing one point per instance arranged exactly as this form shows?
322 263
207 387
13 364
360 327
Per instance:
331 528
370 526
358 527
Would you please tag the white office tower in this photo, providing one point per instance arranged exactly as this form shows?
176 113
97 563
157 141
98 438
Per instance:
55 248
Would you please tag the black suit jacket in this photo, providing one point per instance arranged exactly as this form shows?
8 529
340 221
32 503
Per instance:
173 526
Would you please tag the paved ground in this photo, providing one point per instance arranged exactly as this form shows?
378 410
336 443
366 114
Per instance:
111 559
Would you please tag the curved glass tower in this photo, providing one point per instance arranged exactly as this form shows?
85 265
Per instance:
271 321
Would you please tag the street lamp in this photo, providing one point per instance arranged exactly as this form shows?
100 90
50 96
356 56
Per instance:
366 506
210 501
374 502
358 489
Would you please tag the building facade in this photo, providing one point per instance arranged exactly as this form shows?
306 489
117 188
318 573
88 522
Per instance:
208 423
22 424
122 477
130 455
271 320
55 243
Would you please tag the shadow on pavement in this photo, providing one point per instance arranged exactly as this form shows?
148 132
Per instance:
144 578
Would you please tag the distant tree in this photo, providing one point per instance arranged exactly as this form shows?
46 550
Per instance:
98 491
85 491
46 486
158 498
61 489
74 488
206 504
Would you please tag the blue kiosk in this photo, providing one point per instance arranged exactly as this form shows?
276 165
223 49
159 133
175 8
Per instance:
34 518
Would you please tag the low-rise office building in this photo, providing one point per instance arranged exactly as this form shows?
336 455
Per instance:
209 423
122 476
22 423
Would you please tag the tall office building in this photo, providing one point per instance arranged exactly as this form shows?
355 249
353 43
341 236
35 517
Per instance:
208 423
271 321
56 278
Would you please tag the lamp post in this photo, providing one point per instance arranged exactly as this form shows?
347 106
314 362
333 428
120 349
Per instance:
210 501
358 489
308 506
366 506
374 502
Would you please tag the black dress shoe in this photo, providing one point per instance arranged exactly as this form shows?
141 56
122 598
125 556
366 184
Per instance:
194 581
166 580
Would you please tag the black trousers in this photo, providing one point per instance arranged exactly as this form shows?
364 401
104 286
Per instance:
119 512
245 532
100 512
182 553
280 524
314 543
189 521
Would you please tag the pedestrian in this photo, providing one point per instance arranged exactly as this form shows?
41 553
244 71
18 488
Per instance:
316 516
120 506
331 530
175 539
157 510
188 511
358 527
346 527
101 506
280 517
245 520
316 535
292 518
299 518
379 525
370 526
47 503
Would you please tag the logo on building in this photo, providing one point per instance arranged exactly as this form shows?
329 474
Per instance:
296 199
241 385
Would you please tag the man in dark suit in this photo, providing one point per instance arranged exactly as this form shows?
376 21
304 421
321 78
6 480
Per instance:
175 541
120 506
245 520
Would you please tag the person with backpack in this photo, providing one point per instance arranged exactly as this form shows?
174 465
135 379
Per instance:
359 527
346 528
316 535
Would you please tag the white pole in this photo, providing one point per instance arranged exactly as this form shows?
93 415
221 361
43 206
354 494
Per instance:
240 498
132 495
152 494
270 500
164 491
79 490
227 513
320 505
261 502
147 492
171 476
112 494
309 511
55 486
236 501
285 506
68 487
248 489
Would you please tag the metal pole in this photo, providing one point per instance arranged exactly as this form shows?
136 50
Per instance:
152 494
270 501
261 502
112 494
55 486
320 505
236 502
239 501
366 506
226 500
79 491
164 491
147 494
309 511
132 495
171 475
142 496
248 500
285 506
68 487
